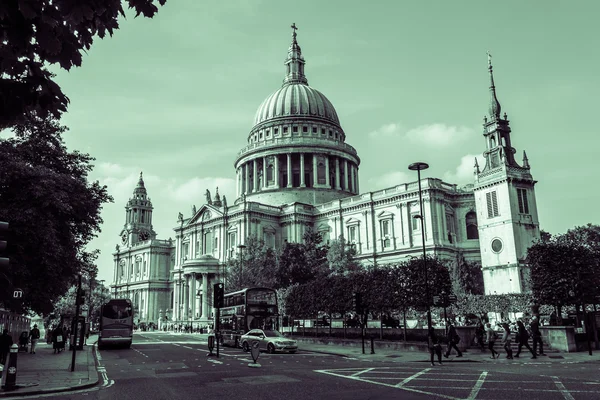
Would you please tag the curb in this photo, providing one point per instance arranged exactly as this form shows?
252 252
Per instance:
16 393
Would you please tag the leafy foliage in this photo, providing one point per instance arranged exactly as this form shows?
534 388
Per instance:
563 270
303 262
52 209
341 257
36 33
467 277
257 267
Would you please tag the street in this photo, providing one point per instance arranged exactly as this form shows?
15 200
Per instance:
175 366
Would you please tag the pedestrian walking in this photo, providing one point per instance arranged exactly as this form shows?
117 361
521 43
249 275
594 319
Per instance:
453 340
57 339
434 346
6 341
506 340
34 336
536 336
523 339
480 335
492 336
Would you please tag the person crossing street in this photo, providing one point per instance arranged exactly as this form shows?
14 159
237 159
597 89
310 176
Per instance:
34 336
453 340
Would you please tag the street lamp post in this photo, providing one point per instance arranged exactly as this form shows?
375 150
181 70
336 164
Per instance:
419 166
241 247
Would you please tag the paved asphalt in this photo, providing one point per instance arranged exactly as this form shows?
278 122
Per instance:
173 366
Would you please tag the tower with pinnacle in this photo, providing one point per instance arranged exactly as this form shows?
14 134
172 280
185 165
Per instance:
506 205
138 217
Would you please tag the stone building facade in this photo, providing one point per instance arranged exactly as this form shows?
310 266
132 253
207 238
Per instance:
296 172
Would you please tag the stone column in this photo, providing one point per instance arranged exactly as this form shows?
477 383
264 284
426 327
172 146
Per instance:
264 181
302 183
353 189
254 176
239 182
205 314
193 295
327 182
247 176
276 172
346 175
315 172
289 170
356 179
337 174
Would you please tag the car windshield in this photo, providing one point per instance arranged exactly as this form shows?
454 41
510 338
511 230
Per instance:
273 334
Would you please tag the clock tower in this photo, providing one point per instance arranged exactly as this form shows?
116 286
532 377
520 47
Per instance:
138 217
506 206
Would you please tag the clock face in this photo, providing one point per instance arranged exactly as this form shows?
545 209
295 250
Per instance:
144 235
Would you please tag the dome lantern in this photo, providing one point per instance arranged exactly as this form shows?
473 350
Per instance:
294 63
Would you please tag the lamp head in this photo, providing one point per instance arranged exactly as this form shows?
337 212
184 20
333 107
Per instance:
418 166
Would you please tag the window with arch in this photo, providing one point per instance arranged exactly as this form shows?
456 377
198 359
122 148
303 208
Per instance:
321 173
471 222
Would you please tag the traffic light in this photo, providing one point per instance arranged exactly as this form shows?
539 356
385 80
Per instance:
218 295
356 302
4 261
81 297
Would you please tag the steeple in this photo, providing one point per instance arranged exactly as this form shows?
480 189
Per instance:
294 63
525 160
494 103
140 189
217 201
477 171
138 216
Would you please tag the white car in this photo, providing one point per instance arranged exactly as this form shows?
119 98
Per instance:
269 340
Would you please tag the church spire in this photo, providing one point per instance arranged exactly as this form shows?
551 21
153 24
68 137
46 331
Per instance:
294 62
140 189
525 160
494 103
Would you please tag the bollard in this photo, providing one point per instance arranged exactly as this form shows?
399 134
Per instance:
11 369
372 346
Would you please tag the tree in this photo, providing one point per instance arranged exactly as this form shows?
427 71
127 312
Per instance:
467 277
52 209
563 271
302 262
256 268
341 257
36 33
438 279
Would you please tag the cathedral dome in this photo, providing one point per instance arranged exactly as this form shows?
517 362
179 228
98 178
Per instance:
296 100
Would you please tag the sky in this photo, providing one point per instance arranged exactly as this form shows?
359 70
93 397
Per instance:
175 96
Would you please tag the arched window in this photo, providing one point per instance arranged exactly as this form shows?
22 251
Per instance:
471 222
321 173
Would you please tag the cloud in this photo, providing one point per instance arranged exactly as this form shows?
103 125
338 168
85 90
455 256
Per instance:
463 174
391 179
438 135
387 131
194 189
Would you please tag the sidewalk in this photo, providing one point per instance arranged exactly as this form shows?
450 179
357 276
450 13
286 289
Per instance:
46 372
469 355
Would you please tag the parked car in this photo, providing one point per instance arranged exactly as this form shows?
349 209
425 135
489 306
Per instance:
269 340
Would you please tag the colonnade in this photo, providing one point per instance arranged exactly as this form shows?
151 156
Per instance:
191 297
307 170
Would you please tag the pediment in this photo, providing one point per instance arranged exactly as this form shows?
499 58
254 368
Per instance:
323 227
385 215
205 213
352 221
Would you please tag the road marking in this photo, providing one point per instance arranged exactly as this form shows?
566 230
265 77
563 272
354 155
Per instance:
410 378
361 372
562 389
214 361
477 386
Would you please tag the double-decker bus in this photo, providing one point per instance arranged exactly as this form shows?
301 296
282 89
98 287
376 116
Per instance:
116 323
246 309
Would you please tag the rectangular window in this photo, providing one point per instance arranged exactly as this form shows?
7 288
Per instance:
523 205
314 129
295 129
416 224
275 131
385 227
285 129
305 129
352 234
492 204
322 131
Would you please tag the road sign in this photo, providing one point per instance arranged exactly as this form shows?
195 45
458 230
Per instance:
17 293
